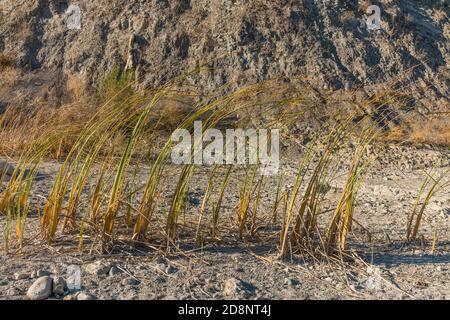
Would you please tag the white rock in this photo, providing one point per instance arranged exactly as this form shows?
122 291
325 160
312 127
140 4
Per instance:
170 270
235 287
41 289
12 292
130 282
70 297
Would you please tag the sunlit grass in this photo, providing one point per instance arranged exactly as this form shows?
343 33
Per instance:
125 201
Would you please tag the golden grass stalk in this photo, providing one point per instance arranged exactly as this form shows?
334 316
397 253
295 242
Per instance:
205 201
434 185
216 206
114 199
245 196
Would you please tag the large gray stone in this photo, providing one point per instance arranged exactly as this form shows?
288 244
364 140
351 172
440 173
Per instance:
41 289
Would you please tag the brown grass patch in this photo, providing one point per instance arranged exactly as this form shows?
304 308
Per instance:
21 127
435 131
8 78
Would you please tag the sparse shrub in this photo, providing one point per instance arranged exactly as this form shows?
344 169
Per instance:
122 207
116 83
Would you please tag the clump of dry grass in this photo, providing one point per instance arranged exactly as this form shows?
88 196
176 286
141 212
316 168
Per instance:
364 5
119 206
9 77
8 71
434 131
20 127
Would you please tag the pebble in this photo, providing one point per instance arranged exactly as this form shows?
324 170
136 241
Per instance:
291 282
59 285
12 292
97 268
130 282
236 288
70 297
114 271
85 296
41 289
4 282
21 276
356 287
170 269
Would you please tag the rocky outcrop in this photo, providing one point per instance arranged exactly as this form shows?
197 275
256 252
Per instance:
244 41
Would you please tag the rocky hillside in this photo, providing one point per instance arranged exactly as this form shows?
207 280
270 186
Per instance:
244 41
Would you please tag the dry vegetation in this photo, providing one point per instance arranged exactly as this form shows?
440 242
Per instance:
9 73
435 131
127 121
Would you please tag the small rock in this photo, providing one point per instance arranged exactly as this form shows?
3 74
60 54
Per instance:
291 282
130 282
114 271
356 287
161 266
41 273
237 288
161 280
21 276
41 289
85 296
97 268
4 282
12 292
170 269
59 285
70 297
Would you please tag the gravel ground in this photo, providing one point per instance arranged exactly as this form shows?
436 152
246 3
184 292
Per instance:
381 266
